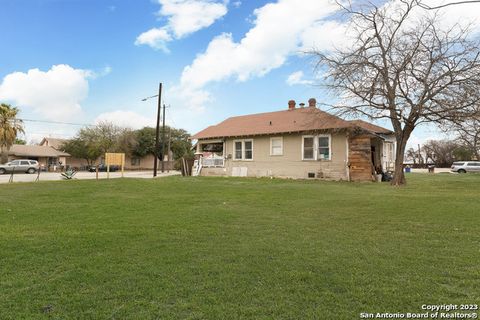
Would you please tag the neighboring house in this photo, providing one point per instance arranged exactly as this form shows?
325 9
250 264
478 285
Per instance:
131 162
295 143
45 155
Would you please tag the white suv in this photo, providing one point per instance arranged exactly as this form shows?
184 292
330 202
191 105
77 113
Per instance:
21 165
466 166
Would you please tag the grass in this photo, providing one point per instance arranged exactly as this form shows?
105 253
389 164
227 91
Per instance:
226 248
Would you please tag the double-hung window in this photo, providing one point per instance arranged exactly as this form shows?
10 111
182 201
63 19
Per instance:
276 146
316 147
243 150
248 146
238 152
308 148
324 147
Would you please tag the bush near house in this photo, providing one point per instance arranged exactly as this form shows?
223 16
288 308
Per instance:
218 248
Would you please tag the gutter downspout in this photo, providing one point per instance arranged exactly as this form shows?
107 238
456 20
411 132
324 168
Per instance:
347 157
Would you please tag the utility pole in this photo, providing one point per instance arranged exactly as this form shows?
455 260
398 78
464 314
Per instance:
420 159
169 146
163 140
157 130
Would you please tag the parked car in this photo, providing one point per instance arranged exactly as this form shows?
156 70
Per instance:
21 165
103 167
466 166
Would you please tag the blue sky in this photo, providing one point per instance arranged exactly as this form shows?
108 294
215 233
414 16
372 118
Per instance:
83 61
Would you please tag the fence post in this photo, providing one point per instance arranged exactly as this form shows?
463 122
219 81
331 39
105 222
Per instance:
11 176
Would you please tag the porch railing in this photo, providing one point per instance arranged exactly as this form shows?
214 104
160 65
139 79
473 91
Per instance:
213 162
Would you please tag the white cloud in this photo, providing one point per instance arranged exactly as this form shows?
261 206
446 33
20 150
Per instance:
184 18
54 95
194 99
297 78
155 38
126 119
105 71
188 16
280 30
324 35
276 34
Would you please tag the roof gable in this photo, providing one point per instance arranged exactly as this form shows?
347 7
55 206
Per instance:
52 142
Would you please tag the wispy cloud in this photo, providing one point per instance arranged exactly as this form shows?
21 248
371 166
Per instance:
297 78
184 18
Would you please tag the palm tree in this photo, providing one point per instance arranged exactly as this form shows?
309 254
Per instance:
9 128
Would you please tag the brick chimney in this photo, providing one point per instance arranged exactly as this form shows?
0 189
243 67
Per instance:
291 104
312 103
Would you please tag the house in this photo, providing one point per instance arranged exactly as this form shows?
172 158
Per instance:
131 162
295 143
45 155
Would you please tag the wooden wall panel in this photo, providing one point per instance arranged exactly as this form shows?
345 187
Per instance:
360 158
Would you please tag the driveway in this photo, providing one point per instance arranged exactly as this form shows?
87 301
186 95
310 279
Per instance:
83 175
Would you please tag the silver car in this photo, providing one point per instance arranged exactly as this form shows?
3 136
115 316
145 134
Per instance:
466 166
21 165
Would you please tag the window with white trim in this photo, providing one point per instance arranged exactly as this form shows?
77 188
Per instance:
276 146
308 148
389 151
316 147
324 147
248 146
243 149
238 150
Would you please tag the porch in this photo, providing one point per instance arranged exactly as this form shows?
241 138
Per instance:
210 154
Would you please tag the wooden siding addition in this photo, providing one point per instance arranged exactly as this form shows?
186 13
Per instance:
360 158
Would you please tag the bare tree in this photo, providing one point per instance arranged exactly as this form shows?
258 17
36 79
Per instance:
412 154
440 152
405 69
467 133
425 6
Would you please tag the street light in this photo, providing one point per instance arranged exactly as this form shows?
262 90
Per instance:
157 130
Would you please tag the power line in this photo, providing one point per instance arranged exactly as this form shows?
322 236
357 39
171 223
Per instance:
30 133
55 122
424 6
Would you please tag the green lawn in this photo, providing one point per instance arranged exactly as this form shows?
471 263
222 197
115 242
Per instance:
226 248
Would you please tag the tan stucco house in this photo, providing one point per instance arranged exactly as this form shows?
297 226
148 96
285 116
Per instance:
45 155
298 142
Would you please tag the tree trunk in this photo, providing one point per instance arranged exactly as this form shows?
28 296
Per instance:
399 175
3 155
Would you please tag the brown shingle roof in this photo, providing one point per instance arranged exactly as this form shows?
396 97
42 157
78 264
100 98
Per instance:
297 120
370 127
35 151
